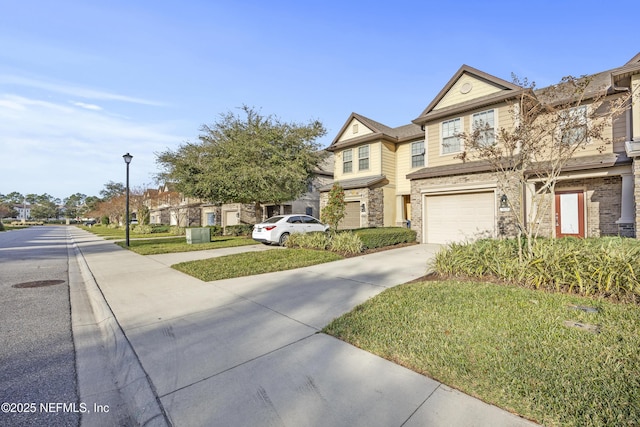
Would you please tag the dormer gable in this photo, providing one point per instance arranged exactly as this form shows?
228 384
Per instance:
468 88
354 128
359 128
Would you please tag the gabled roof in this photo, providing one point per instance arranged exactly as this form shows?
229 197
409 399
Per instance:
379 132
507 91
600 83
634 61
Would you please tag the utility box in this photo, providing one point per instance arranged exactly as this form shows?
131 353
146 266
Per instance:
198 235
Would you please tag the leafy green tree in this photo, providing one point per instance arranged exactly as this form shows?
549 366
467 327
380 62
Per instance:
74 205
43 206
246 158
335 210
13 198
113 189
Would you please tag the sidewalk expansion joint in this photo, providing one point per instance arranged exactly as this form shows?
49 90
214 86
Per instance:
238 365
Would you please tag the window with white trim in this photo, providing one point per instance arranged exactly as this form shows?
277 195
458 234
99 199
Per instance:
347 161
573 125
484 122
363 157
417 154
450 138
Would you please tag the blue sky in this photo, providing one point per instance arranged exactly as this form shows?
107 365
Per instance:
84 82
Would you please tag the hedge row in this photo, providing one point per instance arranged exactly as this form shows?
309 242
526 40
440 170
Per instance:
385 236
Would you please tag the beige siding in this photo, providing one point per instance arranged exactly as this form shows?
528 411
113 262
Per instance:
503 117
354 130
478 88
403 165
375 163
620 133
389 161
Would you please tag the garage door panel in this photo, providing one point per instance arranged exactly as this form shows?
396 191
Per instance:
352 216
459 217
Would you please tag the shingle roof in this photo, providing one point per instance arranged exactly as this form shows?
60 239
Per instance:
365 182
380 131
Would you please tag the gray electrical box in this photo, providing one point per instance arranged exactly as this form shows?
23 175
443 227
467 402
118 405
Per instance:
198 235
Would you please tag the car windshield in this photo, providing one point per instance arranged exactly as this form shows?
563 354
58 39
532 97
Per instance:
272 219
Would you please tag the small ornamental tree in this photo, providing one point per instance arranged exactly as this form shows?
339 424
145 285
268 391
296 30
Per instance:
548 128
335 209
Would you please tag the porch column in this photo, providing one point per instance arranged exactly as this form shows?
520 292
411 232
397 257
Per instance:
626 223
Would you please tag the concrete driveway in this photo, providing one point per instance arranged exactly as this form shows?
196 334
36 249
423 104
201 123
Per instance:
248 352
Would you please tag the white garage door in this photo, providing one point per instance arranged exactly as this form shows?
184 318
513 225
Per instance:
459 217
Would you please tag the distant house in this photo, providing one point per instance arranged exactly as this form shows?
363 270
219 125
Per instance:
24 211
411 173
167 206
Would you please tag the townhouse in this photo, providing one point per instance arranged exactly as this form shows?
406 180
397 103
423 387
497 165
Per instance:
170 207
413 174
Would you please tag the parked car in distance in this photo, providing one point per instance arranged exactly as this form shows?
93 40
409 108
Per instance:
90 222
277 229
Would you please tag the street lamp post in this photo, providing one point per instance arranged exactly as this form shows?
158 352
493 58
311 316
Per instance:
127 159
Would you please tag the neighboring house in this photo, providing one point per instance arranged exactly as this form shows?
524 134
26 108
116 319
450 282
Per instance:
371 164
24 211
167 206
413 172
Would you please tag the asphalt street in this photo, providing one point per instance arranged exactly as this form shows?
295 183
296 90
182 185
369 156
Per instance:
37 359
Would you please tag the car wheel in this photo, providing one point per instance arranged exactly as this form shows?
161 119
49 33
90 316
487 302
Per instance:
283 238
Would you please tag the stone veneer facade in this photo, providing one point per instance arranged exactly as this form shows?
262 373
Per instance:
602 197
373 198
505 225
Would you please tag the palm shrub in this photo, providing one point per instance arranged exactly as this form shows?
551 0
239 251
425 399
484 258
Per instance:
315 240
595 266
346 242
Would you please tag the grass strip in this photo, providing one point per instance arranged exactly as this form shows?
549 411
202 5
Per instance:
247 264
509 346
179 244
119 233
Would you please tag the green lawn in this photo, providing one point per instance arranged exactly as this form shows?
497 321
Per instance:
179 244
247 264
118 233
509 346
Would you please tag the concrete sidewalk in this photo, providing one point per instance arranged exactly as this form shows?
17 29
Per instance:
248 352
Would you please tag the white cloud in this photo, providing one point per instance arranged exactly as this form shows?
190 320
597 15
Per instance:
87 106
58 149
69 89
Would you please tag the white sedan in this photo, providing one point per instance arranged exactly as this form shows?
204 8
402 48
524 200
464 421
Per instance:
278 228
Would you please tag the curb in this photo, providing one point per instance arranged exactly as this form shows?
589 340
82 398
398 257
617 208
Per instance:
107 367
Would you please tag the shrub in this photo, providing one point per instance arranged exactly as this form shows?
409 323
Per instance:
335 210
317 240
346 242
593 266
386 236
178 231
141 229
1 226
104 220
159 228
216 230
238 230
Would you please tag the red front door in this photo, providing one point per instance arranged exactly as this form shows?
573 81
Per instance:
569 215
